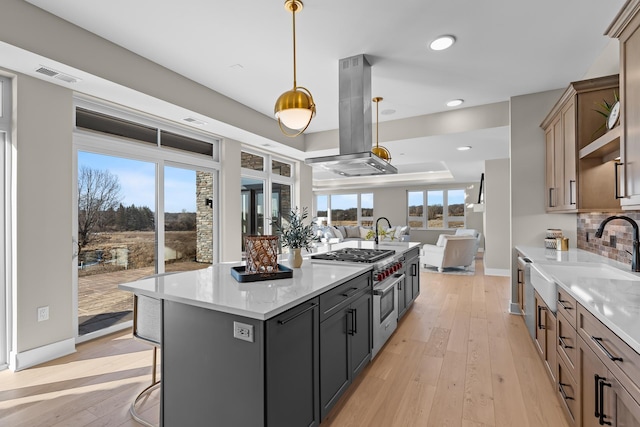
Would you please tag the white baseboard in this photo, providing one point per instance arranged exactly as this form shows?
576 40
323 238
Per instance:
514 308
36 356
497 272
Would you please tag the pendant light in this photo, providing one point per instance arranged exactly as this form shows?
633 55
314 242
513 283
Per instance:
295 108
381 152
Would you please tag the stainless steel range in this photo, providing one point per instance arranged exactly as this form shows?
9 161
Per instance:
388 278
354 255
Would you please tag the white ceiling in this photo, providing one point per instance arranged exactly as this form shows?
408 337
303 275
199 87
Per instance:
243 50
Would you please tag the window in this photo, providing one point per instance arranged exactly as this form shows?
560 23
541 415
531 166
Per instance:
267 192
146 204
445 209
345 209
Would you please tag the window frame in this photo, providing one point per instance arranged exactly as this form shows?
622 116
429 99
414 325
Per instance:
359 217
111 145
269 178
445 209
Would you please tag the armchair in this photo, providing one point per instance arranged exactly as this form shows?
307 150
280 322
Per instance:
450 251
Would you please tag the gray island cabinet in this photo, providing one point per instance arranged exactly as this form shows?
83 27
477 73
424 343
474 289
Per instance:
308 338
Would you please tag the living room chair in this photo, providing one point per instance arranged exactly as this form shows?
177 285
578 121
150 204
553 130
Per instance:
451 251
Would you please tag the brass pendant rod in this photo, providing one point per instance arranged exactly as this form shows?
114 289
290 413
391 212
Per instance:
377 121
294 6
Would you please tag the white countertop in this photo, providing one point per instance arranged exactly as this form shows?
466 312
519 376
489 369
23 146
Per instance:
214 288
616 303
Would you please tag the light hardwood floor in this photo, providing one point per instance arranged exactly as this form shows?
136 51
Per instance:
458 358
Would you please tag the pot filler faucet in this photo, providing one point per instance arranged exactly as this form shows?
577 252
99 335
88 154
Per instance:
635 256
389 223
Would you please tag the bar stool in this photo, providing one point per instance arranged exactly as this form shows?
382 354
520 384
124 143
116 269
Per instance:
147 327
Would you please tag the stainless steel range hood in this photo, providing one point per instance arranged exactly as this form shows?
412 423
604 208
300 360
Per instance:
355 158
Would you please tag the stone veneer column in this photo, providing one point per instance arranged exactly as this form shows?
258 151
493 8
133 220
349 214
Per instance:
204 217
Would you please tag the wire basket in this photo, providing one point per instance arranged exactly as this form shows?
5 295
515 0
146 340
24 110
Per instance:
262 254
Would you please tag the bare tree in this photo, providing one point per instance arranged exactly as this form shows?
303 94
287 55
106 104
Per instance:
98 192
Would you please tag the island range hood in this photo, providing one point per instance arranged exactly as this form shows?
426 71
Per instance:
355 142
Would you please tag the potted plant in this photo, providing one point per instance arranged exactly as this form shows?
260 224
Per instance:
295 235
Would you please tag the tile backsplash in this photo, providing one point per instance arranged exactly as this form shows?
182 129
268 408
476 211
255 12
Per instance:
622 230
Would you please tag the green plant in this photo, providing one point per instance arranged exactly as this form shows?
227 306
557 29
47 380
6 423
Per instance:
296 234
605 110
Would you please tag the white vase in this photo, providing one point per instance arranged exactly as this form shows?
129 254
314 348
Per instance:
295 258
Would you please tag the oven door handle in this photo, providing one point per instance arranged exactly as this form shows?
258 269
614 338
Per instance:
388 288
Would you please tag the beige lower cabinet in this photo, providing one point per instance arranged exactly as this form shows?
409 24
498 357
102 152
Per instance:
607 375
545 336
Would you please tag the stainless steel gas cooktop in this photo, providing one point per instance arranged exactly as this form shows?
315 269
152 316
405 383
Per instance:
355 255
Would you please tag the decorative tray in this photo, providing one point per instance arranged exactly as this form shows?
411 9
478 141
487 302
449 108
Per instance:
240 275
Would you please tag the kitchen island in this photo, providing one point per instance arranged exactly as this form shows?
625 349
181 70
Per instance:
250 353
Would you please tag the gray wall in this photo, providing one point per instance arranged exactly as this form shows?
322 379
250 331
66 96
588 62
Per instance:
529 219
43 215
497 218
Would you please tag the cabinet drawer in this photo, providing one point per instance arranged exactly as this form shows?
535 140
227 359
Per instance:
340 296
567 343
618 357
567 391
567 305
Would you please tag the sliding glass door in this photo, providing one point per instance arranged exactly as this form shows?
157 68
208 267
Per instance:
116 236
188 218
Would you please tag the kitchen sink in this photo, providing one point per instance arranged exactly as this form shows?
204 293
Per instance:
544 276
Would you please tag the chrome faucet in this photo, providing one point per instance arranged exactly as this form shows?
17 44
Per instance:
389 223
635 256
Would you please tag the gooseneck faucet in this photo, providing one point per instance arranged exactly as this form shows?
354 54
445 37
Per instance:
635 256
388 223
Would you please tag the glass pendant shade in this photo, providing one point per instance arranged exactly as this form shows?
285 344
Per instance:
295 109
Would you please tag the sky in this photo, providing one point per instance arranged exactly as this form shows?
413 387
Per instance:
137 181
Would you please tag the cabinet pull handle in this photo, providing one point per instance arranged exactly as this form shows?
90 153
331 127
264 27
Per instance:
311 307
596 379
551 205
598 342
414 269
562 392
617 178
350 292
540 308
602 414
520 276
354 315
351 329
400 285
562 303
571 202
562 343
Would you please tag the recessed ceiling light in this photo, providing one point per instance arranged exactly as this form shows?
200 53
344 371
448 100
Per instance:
442 43
455 102
194 121
387 112
464 148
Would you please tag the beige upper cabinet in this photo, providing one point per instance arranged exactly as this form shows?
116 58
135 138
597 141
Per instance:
572 183
626 27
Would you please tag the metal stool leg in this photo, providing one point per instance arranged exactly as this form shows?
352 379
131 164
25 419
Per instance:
145 393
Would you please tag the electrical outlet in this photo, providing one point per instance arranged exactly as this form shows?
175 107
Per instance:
242 331
612 241
43 313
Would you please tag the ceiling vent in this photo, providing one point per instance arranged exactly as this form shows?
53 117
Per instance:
194 121
57 74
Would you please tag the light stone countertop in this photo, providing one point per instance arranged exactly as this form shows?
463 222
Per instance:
615 302
214 288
